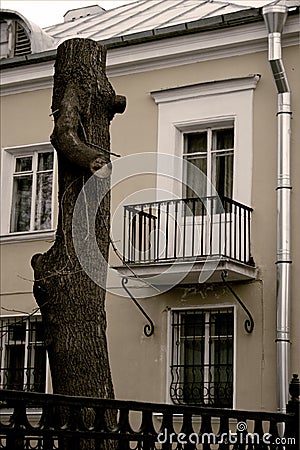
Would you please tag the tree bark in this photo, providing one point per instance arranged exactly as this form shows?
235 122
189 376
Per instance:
71 304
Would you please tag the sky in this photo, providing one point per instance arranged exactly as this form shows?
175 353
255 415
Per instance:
45 12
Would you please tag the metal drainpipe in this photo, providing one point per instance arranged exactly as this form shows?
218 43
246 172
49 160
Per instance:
275 17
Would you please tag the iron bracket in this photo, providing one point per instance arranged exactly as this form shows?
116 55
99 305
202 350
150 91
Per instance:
149 327
249 323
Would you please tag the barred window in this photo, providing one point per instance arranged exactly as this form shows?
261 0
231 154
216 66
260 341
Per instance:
22 354
202 357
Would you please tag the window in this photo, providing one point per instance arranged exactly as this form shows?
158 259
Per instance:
27 192
32 192
202 357
203 118
211 151
22 355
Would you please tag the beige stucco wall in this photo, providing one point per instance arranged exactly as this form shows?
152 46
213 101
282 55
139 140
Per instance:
139 364
144 361
256 354
25 118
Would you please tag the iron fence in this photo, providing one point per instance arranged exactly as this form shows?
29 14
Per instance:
87 424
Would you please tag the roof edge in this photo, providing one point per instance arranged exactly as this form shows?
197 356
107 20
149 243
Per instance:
209 24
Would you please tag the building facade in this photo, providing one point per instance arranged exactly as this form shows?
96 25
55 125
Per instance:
194 203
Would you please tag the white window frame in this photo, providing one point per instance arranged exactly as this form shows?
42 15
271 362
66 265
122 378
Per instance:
8 156
191 108
210 151
207 308
5 341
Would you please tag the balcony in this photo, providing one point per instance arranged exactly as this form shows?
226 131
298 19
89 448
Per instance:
188 238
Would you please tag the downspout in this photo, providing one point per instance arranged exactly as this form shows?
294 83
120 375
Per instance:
275 17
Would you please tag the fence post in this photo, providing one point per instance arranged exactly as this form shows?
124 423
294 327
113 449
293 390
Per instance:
293 407
18 423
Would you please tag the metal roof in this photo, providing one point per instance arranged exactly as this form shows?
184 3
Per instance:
145 15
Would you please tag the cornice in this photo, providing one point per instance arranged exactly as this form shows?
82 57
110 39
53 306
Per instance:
165 53
27 78
198 47
216 87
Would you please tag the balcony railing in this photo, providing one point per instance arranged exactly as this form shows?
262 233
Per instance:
191 228
99 424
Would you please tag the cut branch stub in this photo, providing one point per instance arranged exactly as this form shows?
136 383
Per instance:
81 93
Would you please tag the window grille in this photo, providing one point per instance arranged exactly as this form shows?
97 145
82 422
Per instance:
202 357
22 354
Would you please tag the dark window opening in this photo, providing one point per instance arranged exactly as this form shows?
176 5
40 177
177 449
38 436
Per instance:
22 355
211 152
202 357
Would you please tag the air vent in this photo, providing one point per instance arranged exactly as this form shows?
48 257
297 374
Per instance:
22 42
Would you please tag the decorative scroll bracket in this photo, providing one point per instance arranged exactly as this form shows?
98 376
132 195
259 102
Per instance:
249 323
149 327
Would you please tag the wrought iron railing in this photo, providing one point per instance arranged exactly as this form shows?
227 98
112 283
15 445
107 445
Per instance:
87 423
187 228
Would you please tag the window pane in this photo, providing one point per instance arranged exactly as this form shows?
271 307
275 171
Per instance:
39 331
36 374
221 357
223 174
222 161
223 139
24 164
191 178
196 142
21 203
193 357
45 161
15 367
222 324
39 372
16 332
193 324
43 201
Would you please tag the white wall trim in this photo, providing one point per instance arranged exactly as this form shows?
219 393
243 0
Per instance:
13 238
159 54
198 47
198 90
8 155
27 78
188 107
22 149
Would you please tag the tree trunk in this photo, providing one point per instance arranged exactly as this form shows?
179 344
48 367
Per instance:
71 304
